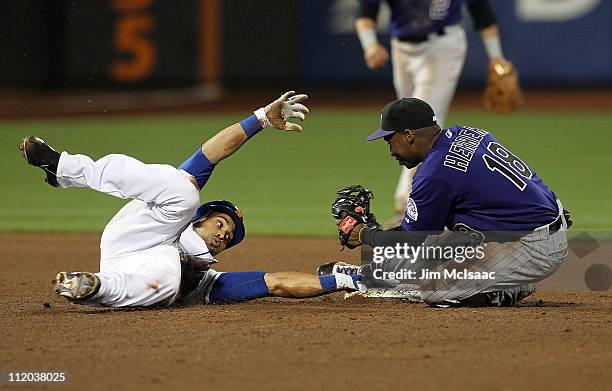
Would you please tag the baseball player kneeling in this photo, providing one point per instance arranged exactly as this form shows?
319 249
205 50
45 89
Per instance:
159 247
505 228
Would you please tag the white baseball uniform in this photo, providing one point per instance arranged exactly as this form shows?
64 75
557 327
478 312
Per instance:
139 258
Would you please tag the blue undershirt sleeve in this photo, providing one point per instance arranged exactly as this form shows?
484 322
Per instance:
199 167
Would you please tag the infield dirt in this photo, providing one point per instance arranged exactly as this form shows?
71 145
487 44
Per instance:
554 340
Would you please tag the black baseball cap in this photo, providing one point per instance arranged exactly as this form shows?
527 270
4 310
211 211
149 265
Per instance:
404 114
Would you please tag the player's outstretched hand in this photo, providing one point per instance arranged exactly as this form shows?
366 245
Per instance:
285 108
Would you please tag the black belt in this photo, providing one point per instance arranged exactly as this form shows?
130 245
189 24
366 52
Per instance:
420 38
555 225
513 236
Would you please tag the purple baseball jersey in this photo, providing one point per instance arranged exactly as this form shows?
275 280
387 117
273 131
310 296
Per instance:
468 177
417 18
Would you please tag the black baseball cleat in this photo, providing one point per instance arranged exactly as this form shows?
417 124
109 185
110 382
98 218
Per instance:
506 298
39 154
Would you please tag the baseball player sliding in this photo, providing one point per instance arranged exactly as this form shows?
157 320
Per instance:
159 247
428 47
494 205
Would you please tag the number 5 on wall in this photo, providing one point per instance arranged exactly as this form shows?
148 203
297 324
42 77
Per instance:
132 40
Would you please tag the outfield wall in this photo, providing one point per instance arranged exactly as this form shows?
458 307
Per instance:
142 44
552 43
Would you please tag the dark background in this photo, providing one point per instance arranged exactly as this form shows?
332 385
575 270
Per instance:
61 44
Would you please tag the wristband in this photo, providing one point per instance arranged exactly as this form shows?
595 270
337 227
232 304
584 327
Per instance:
367 37
359 234
262 117
328 282
492 46
251 126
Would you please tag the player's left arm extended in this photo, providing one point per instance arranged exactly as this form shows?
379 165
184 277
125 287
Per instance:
503 93
222 145
484 20
237 287
486 23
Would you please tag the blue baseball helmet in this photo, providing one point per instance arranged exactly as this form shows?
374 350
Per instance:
228 208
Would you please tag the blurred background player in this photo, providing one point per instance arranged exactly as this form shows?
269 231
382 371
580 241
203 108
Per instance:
159 247
428 46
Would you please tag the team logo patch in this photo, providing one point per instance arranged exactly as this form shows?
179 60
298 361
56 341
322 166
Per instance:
347 224
411 210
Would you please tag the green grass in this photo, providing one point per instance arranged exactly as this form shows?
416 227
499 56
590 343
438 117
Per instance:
284 183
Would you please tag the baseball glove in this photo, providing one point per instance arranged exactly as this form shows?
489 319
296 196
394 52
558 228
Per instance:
503 93
351 210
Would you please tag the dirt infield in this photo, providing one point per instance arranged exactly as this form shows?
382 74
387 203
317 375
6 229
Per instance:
555 340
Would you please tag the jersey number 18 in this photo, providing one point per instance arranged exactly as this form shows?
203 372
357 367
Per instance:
507 164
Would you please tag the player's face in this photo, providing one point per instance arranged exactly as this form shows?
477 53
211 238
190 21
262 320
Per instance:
403 149
217 230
